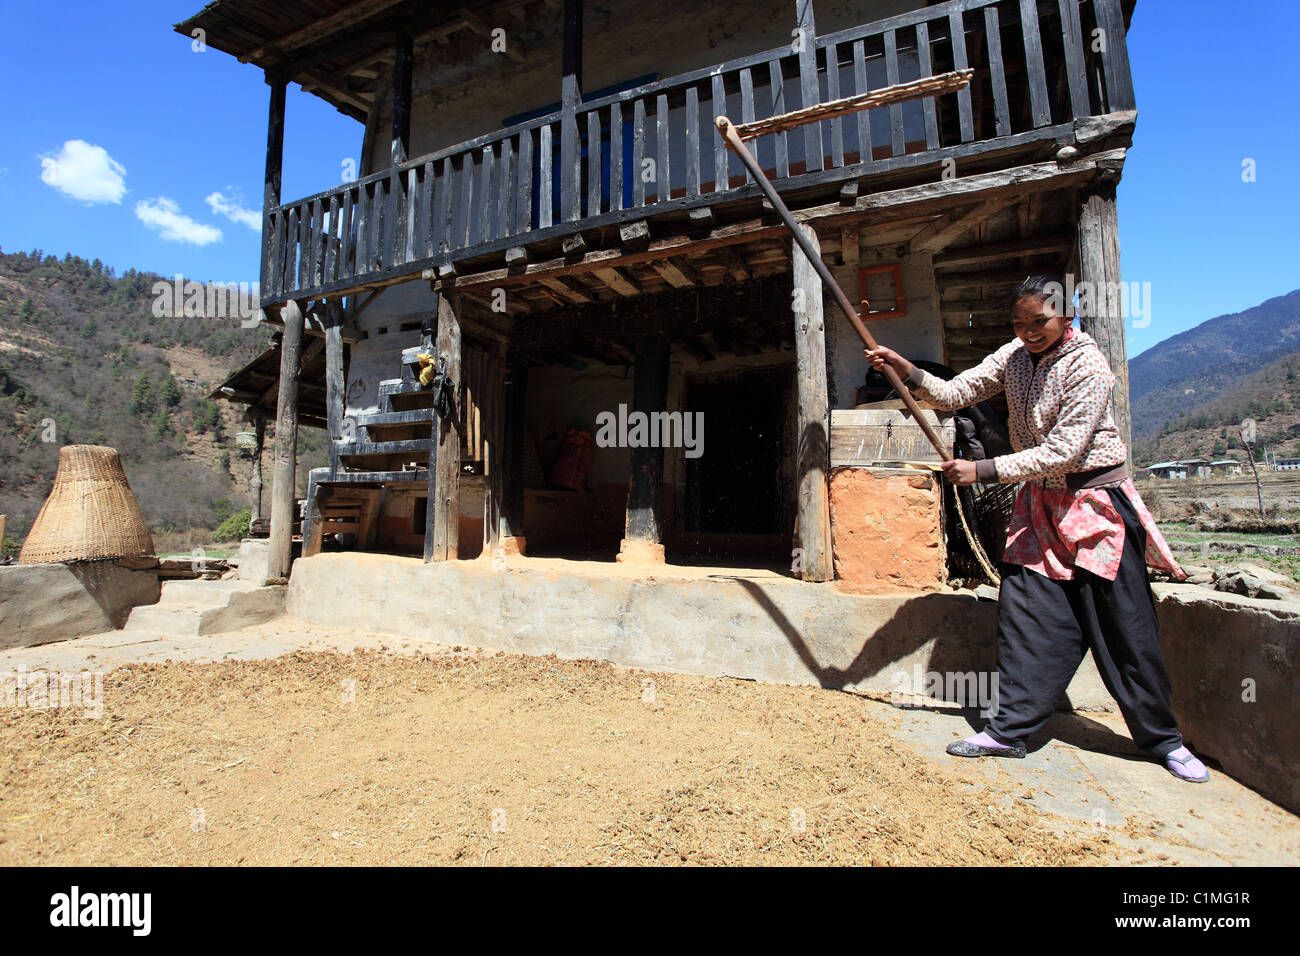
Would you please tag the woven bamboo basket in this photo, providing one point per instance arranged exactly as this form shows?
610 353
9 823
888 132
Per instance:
91 513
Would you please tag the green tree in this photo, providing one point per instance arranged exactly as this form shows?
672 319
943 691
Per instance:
170 393
162 427
142 397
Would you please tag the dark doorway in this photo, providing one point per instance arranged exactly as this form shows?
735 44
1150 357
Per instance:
739 485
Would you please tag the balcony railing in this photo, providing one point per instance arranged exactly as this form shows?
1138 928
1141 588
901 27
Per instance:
1039 64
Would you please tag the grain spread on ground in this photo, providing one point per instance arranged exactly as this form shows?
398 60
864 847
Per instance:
472 758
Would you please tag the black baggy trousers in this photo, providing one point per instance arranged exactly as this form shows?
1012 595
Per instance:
1046 626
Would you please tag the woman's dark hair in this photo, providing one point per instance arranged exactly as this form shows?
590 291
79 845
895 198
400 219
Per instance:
1045 287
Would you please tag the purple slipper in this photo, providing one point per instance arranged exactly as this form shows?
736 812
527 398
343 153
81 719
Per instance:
1184 765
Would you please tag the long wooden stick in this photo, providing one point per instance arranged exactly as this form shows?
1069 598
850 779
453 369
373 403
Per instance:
732 138
898 93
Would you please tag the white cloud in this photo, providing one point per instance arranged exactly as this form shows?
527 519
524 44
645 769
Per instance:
230 207
165 215
85 172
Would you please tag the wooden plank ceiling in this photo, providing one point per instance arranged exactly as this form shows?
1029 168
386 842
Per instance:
341 50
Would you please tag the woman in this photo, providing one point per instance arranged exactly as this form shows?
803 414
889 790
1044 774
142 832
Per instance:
1074 572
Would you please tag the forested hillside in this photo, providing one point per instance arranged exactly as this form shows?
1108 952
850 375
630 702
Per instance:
83 360
1270 395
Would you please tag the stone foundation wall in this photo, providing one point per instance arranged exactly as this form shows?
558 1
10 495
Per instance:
40 603
1233 662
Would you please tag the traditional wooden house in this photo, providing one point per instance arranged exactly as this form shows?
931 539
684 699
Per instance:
542 191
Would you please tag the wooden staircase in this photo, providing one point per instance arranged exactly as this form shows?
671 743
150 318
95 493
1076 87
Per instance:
396 445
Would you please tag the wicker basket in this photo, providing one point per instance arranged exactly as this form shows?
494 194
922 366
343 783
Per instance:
91 513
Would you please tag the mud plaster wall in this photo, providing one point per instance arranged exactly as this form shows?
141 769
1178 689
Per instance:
917 335
397 523
886 530
379 356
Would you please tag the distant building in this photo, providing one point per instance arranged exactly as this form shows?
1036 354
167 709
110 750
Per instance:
1184 468
1225 466
1286 464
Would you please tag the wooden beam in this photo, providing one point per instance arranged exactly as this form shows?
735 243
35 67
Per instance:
734 265
634 235
812 504
982 277
850 243
512 535
986 318
403 56
987 252
274 163
1004 186
311 81
618 281
334 384
283 512
574 246
676 272
1009 184
358 309
569 291
943 232
255 478
570 97
349 16
809 92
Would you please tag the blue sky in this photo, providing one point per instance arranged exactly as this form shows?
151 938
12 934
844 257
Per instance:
183 134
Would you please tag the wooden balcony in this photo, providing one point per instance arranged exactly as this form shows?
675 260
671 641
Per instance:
653 152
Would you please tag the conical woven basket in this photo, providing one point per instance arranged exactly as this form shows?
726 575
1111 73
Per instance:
91 513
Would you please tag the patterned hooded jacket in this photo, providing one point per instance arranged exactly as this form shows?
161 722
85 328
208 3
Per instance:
1059 419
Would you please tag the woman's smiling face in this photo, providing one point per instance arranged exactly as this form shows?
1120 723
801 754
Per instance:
1037 324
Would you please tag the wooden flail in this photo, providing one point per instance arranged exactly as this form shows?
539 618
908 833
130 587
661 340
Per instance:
734 137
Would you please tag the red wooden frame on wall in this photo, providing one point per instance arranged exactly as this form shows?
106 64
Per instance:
900 297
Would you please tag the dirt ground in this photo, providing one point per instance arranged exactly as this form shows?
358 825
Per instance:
467 758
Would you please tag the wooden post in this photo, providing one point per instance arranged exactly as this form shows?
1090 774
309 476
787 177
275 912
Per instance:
811 506
255 480
334 369
512 493
403 55
809 91
279 82
283 518
642 535
1101 309
493 405
442 521
570 95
